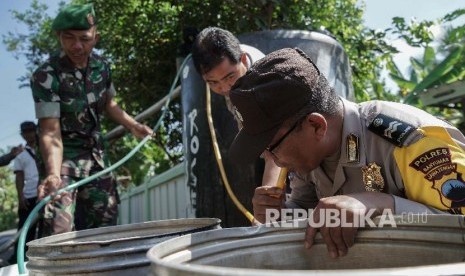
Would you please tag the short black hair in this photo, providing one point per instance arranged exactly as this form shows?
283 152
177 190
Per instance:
211 46
27 125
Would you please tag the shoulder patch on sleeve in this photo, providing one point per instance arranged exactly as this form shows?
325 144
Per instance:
393 130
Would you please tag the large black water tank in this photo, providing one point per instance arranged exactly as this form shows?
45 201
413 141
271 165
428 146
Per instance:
324 50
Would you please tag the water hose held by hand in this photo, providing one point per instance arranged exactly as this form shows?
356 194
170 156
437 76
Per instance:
281 182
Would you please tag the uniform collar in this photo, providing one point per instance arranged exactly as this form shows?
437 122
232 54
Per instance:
93 61
67 67
351 125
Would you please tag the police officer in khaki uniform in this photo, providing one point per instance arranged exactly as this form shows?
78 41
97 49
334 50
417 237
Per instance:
356 158
71 91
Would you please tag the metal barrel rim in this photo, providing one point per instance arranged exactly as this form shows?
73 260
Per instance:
200 253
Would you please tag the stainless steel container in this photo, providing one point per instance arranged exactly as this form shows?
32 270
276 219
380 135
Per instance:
427 245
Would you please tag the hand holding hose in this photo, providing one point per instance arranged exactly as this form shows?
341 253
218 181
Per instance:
49 186
266 197
140 131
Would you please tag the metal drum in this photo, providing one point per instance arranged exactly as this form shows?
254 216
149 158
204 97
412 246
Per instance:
115 250
426 245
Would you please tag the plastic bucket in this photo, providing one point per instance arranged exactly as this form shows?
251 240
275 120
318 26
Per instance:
426 245
115 250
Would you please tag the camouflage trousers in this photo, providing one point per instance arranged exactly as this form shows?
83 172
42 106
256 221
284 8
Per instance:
93 205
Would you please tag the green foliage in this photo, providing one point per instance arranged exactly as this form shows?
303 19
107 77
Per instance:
431 70
37 43
441 64
142 39
439 72
8 200
429 73
369 53
415 33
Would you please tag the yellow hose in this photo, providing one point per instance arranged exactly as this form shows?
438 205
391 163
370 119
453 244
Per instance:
216 149
281 182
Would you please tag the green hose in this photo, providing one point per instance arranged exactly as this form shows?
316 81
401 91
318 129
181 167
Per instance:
27 223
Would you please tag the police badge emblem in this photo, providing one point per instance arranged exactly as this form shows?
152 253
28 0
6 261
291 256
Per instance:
372 178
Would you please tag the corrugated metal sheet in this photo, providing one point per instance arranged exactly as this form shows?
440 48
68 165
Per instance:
165 196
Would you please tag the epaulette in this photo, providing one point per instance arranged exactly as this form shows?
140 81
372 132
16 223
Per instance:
393 130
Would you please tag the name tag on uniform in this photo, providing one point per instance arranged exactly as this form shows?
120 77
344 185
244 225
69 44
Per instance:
353 155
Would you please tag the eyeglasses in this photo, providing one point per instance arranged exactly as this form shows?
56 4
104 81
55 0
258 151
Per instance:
271 148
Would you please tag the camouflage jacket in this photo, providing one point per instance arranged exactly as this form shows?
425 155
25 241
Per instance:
77 97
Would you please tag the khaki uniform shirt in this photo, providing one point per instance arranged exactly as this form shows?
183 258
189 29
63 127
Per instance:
408 153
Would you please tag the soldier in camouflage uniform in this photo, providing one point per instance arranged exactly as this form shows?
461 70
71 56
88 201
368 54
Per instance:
71 91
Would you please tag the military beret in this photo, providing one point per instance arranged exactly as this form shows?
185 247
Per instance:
75 17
